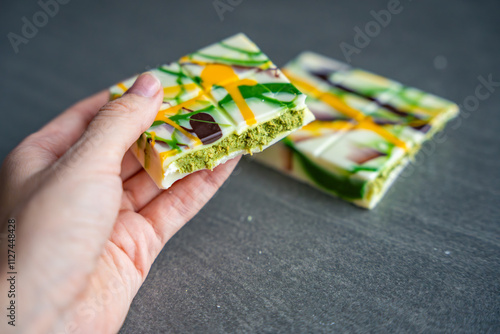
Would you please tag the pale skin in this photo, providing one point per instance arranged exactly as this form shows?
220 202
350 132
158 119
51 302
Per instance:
89 220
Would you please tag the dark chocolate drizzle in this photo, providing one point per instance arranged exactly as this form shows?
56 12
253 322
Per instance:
328 118
422 128
272 71
364 154
391 108
323 76
205 127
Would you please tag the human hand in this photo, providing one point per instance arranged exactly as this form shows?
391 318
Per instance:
90 221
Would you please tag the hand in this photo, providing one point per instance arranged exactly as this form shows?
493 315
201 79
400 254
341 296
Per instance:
89 220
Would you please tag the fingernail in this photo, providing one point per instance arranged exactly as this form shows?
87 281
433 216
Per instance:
145 85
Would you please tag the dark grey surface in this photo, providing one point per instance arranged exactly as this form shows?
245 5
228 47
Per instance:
426 260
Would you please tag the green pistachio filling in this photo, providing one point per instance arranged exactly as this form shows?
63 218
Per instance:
257 136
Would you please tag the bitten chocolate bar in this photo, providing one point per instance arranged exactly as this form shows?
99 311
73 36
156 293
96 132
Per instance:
367 128
219 102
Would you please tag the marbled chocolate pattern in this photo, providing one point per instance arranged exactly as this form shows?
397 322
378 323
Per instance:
367 128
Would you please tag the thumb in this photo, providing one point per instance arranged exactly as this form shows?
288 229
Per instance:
117 126
72 213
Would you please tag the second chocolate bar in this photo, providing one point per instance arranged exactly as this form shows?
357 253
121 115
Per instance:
367 128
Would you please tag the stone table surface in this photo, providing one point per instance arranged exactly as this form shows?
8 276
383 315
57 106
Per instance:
425 260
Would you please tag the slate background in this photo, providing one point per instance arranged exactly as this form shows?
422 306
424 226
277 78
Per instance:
426 260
